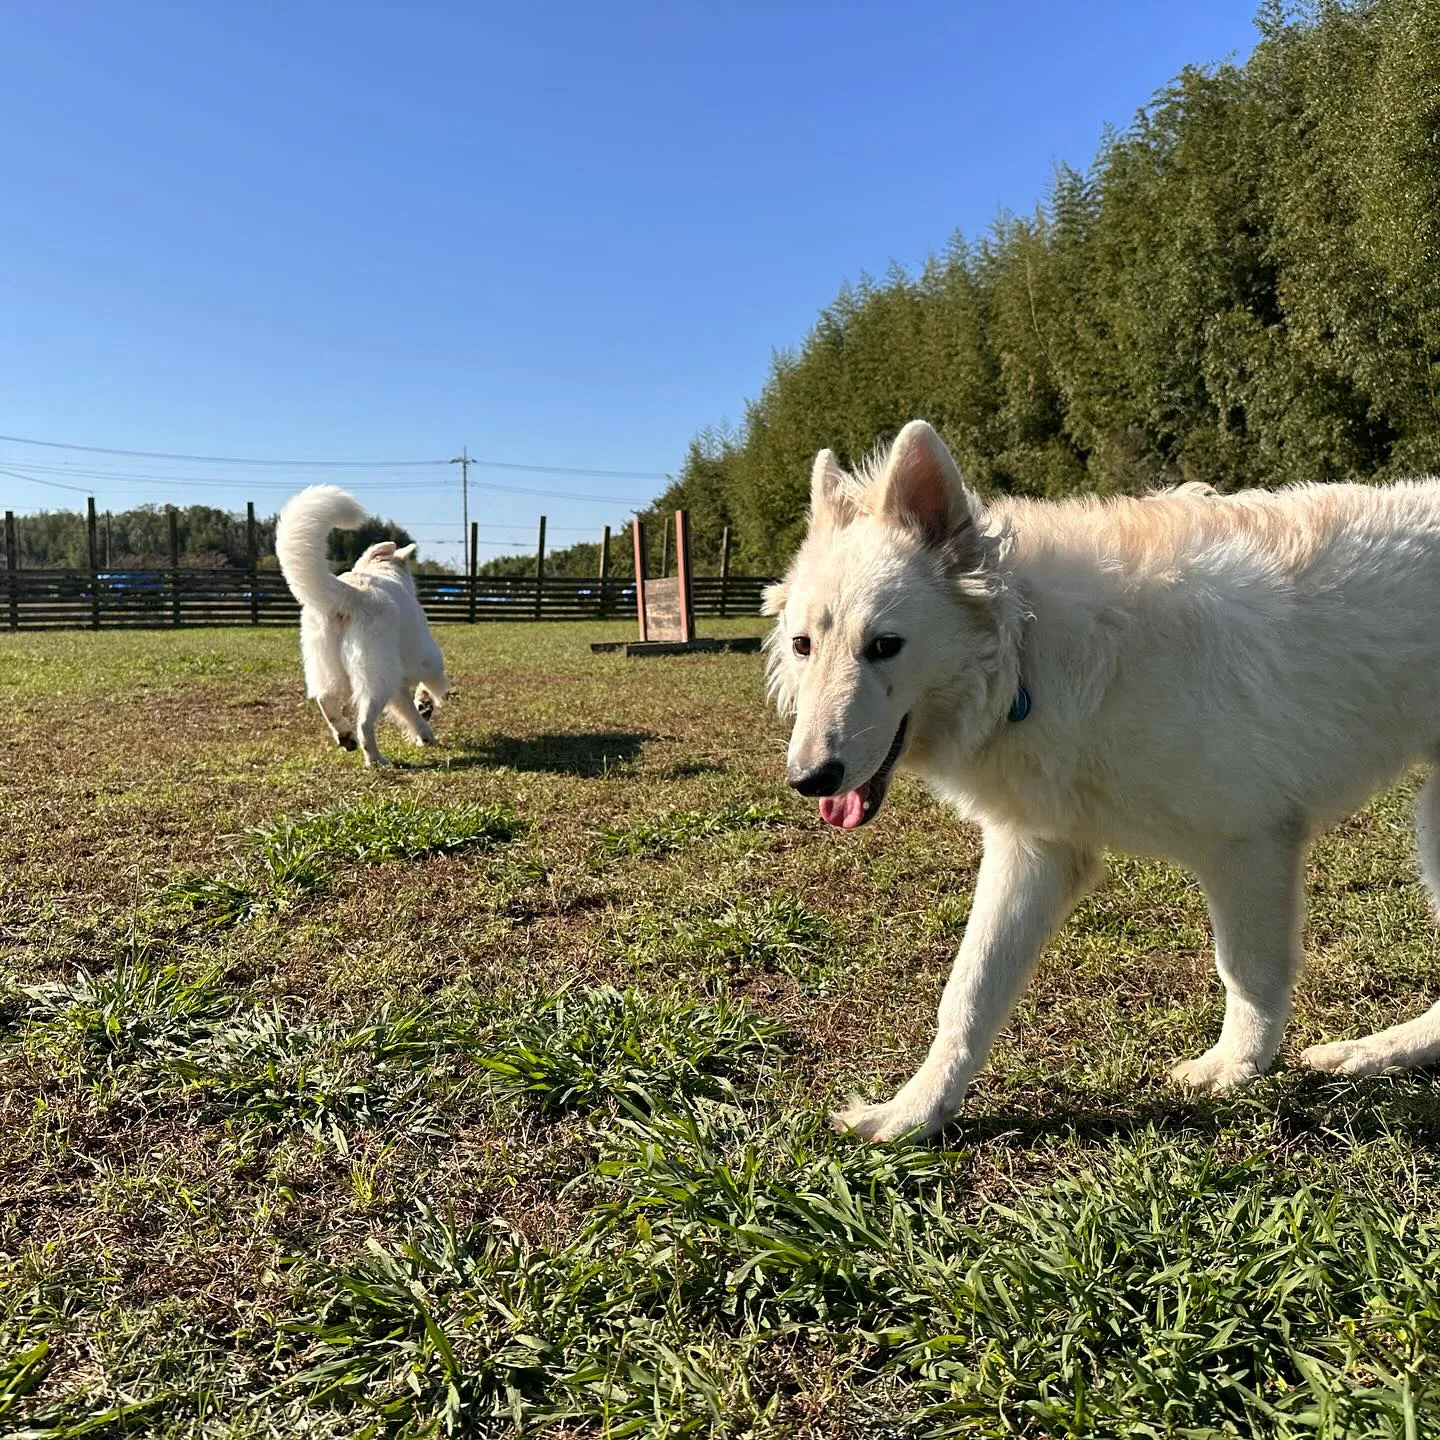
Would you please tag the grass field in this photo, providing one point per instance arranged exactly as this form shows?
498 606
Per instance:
486 1095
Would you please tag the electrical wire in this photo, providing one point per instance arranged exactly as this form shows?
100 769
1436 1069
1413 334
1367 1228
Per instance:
55 484
151 481
337 464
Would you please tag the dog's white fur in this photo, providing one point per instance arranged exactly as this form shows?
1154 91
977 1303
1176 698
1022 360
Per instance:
363 635
1214 680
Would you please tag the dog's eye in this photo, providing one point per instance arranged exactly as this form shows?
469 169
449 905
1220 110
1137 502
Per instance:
884 647
801 645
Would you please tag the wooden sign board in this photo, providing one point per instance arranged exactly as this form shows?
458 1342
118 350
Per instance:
665 608
663 611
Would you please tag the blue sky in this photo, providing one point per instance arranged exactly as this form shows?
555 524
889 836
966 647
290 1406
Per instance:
560 234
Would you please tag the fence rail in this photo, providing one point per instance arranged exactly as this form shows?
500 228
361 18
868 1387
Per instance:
149 599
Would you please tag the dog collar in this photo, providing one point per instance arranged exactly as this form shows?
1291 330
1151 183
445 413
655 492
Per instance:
1020 706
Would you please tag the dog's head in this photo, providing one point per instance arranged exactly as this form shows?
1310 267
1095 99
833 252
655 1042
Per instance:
885 624
386 557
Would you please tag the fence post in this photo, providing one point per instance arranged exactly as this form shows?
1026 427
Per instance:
682 569
251 558
109 561
174 564
664 547
724 570
12 566
540 568
637 533
604 572
94 578
474 564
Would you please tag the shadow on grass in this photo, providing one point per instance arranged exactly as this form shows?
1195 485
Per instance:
1304 1106
587 754
690 769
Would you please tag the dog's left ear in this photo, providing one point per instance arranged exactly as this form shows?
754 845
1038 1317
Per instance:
827 491
404 552
922 490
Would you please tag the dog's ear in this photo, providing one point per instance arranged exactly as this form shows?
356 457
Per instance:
828 500
772 597
921 489
403 553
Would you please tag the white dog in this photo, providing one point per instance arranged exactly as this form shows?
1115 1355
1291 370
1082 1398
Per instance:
363 635
1212 679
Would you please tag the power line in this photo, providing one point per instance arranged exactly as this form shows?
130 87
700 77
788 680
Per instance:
341 464
69 468
218 459
55 484
513 530
572 529
121 477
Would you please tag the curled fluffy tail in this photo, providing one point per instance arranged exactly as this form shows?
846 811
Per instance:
300 543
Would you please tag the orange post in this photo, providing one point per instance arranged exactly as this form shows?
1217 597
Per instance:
682 569
637 531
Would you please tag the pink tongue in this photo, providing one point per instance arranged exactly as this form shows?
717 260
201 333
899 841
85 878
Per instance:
843 811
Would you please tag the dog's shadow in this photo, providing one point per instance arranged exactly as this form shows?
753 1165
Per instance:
588 754
1086 1121
1307 1107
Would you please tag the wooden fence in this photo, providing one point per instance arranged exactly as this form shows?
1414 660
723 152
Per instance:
149 599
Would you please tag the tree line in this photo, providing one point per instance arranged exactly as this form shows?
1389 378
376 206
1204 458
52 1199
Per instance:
139 539
1243 288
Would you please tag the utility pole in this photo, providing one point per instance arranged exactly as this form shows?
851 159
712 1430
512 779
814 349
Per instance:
94 562
463 461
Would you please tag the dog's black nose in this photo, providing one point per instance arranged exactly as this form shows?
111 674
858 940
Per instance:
822 780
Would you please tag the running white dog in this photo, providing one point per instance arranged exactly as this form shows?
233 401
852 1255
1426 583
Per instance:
363 635
1211 679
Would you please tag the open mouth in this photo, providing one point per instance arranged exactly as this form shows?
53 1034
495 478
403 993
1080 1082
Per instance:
859 806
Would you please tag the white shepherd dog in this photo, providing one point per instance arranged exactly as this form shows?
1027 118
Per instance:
363 635
1209 678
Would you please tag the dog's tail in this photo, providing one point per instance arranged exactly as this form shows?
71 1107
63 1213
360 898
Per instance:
300 543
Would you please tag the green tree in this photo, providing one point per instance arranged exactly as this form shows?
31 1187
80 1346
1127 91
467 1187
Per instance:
1243 288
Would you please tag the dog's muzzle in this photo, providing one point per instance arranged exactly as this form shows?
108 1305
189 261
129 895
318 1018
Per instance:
822 780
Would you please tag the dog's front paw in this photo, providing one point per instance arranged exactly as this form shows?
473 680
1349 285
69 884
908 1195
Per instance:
377 762
1348 1057
1215 1070
892 1120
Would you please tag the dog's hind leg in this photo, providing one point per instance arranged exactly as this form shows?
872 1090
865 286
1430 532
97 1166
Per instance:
1255 891
1025 889
335 710
403 710
434 684
1416 1042
325 679
368 709
429 693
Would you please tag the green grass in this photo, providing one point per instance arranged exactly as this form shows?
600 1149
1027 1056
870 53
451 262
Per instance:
585 1050
712 937
136 1010
485 1096
283 862
673 830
